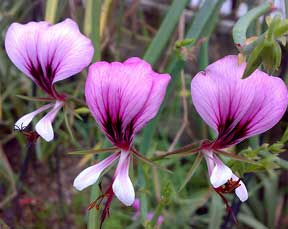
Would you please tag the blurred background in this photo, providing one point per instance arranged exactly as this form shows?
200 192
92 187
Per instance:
36 177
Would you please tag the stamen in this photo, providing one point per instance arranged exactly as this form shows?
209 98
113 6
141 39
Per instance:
228 208
228 187
31 135
109 194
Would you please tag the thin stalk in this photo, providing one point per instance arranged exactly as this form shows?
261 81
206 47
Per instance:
51 10
92 29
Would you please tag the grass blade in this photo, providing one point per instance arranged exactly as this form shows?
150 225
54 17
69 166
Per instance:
164 33
92 29
92 25
51 9
192 170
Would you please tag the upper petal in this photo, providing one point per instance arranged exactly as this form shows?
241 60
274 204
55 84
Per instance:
65 49
122 185
91 174
236 108
46 53
268 105
123 97
220 96
21 45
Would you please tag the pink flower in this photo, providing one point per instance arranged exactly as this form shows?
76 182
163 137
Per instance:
47 54
122 97
236 109
137 207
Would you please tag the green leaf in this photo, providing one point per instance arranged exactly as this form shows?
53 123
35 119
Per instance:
250 221
284 138
254 60
82 110
240 28
216 212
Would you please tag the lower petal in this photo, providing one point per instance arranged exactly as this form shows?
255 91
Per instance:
208 155
91 174
220 174
122 185
44 126
241 191
25 120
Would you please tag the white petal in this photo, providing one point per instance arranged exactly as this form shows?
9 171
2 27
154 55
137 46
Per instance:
220 174
25 120
91 174
209 160
44 126
241 191
122 185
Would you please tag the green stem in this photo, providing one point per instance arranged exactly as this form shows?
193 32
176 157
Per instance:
51 9
92 25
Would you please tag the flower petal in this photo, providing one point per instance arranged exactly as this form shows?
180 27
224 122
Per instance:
46 53
236 108
123 97
153 101
220 174
91 174
269 103
122 185
241 191
65 49
136 205
219 95
44 126
209 157
25 120
21 45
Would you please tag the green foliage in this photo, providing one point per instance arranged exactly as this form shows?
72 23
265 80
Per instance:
265 50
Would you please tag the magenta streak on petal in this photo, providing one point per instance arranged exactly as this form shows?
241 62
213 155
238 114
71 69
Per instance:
123 97
45 78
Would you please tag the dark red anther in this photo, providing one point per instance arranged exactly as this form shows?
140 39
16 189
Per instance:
108 195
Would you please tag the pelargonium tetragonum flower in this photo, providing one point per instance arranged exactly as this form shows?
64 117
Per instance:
122 97
47 54
236 109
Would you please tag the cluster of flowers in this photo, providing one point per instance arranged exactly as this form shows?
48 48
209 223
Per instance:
123 97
